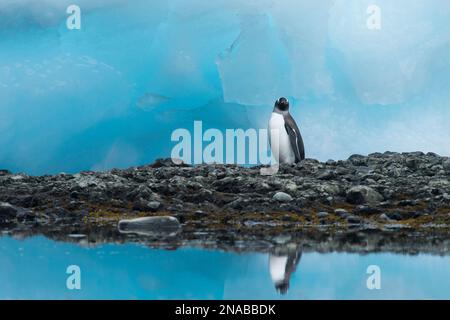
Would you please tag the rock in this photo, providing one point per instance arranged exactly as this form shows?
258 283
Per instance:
74 194
281 239
409 184
407 202
363 194
331 189
446 164
326 175
415 153
236 204
7 211
342 171
291 187
395 226
200 213
366 210
322 214
84 181
394 216
412 163
442 183
282 197
384 217
168 163
144 205
4 172
77 235
432 154
160 225
154 205
141 205
17 177
353 220
341 213
358 160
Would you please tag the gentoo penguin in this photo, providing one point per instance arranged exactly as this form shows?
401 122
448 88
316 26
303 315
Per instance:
284 136
283 262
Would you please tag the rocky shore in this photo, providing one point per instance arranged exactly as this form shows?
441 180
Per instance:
383 201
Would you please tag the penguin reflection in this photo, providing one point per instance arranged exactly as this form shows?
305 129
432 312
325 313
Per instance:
283 262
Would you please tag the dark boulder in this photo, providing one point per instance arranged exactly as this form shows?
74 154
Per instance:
363 194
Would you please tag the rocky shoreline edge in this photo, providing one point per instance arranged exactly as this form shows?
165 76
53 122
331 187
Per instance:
388 201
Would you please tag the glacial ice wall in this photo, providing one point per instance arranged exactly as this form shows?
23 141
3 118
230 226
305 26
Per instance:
110 94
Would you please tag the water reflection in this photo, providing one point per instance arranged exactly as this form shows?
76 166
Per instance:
283 262
161 227
35 268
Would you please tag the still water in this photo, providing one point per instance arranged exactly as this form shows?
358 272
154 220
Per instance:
35 268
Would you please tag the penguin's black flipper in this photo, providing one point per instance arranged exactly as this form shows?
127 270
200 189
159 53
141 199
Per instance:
292 261
296 138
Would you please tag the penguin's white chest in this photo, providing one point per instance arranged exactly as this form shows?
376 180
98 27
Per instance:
279 140
277 267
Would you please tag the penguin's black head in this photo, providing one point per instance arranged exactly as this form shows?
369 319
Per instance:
282 104
282 287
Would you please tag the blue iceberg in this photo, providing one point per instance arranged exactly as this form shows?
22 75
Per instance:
110 94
